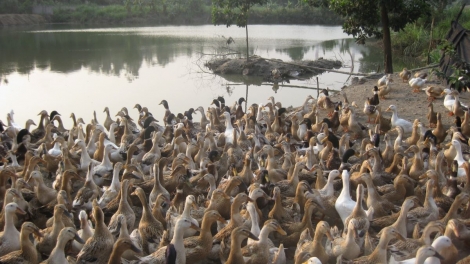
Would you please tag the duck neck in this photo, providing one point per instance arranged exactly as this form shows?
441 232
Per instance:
29 250
10 224
123 203
111 136
380 251
116 255
345 191
178 243
400 223
264 235
41 122
84 155
358 208
101 229
235 255
155 148
115 182
459 155
235 213
306 219
254 222
61 124
349 236
57 225
187 210
212 186
14 161
106 162
146 213
426 236
58 252
328 189
294 180
452 213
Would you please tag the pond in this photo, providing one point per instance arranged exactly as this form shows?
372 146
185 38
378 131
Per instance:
80 70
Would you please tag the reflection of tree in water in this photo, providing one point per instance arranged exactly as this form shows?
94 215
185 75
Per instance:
105 53
295 53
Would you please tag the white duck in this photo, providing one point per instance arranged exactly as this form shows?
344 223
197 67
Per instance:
440 244
317 148
344 204
384 79
255 230
417 84
85 158
104 168
229 134
396 121
113 190
190 202
449 100
86 231
55 151
459 158
424 253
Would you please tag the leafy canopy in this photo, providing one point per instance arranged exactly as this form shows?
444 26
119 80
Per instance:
229 12
363 17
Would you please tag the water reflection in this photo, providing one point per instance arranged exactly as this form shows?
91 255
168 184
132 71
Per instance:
142 64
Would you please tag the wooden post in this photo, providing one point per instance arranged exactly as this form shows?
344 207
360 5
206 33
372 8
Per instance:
246 99
430 39
318 88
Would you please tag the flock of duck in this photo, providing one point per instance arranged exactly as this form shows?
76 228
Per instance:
274 184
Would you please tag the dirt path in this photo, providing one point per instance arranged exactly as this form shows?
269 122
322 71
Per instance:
410 105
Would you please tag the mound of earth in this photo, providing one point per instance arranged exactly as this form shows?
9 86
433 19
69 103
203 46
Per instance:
271 70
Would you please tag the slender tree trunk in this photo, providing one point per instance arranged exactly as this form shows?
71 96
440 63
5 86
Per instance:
430 39
247 53
388 67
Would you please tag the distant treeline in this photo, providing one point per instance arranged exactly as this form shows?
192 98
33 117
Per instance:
167 12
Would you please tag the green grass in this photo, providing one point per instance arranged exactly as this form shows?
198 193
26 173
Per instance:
181 14
415 38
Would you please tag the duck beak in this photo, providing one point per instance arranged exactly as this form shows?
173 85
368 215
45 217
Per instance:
38 233
69 215
222 220
388 109
281 231
20 211
250 235
437 255
135 249
79 239
248 199
399 236
195 227
194 206
329 236
422 177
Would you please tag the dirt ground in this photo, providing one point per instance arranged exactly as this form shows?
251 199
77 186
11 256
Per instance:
410 105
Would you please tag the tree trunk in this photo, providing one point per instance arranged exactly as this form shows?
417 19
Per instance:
388 67
247 53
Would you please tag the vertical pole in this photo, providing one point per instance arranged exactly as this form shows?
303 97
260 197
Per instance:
246 96
318 88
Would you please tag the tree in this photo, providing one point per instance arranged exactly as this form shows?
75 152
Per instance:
229 12
375 18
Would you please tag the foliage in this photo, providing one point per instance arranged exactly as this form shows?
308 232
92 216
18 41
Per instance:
229 12
15 6
363 18
414 39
